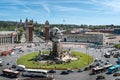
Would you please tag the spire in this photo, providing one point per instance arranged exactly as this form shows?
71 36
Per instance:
26 20
46 23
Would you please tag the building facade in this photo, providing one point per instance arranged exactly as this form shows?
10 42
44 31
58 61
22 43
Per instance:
84 38
92 37
8 37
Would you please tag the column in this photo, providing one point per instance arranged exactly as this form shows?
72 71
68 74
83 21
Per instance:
9 40
3 40
0 41
12 39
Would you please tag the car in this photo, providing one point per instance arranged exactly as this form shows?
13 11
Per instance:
86 68
99 77
97 64
79 70
117 79
9 63
64 72
1 62
70 71
21 50
51 71
14 66
116 74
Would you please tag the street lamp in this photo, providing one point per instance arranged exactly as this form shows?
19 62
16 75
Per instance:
87 52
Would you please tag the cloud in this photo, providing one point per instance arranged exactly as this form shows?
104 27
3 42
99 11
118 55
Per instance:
108 5
63 8
45 7
76 9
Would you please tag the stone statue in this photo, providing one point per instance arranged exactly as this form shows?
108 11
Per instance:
56 35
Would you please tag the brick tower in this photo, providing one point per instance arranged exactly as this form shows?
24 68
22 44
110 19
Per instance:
29 26
47 31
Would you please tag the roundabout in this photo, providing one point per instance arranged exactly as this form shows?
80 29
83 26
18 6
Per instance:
56 58
29 61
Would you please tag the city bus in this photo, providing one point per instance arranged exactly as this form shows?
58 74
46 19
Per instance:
37 71
114 69
11 73
99 69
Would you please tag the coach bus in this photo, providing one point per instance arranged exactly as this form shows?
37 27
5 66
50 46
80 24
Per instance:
114 69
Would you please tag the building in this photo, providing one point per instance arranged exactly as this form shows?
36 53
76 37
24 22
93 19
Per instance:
90 37
47 26
8 37
29 30
112 39
116 31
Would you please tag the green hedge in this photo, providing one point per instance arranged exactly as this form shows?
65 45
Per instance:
117 46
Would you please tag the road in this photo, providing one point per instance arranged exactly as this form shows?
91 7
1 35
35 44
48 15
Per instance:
96 53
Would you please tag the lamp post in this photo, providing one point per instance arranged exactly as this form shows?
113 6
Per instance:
87 52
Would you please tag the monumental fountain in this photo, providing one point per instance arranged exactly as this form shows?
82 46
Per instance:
56 54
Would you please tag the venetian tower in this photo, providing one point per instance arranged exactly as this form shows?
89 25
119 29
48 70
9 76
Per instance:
47 31
29 31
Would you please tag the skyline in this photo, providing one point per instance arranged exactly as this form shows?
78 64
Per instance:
90 12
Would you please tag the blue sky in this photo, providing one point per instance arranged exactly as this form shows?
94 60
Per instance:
91 12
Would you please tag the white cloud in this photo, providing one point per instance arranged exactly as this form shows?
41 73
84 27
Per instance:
46 8
76 9
108 5
63 8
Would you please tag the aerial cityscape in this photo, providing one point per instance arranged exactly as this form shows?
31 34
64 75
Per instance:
59 40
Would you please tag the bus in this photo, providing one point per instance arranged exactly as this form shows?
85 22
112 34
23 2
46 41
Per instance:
114 69
99 69
37 71
11 73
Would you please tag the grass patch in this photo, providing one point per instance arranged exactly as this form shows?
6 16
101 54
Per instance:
83 60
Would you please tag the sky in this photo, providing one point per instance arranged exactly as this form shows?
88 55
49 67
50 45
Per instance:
90 12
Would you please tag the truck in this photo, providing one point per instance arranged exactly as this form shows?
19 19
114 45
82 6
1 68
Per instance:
5 53
11 73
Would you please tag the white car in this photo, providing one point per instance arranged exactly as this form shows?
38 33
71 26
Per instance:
1 62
